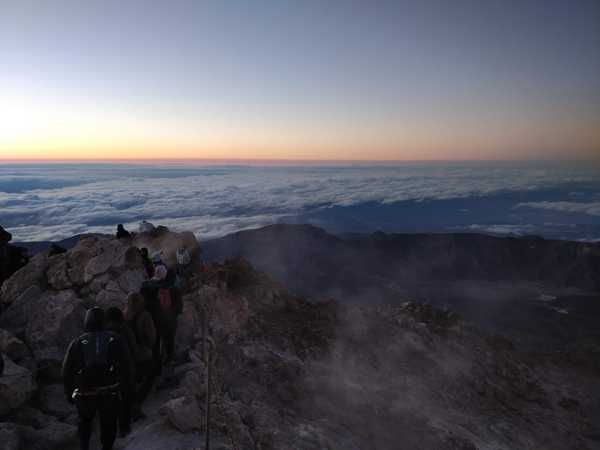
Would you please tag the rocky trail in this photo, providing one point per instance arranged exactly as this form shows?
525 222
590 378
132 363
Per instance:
287 373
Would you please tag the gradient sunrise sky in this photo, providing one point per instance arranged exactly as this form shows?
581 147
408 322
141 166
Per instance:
340 80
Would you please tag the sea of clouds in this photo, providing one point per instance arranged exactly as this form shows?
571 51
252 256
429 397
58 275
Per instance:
51 202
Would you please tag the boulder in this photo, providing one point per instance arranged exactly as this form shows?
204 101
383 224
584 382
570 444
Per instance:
13 347
110 254
131 280
31 417
33 274
183 413
17 386
58 273
52 401
10 438
53 321
168 244
54 436
15 317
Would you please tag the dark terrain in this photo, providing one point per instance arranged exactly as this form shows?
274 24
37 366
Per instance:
539 292
365 372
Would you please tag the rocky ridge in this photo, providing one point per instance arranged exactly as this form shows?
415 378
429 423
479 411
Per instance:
286 373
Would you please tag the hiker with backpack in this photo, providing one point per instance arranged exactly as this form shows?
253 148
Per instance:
164 305
115 322
122 233
140 322
95 367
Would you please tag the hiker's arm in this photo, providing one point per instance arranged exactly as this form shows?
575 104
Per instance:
126 364
129 376
68 372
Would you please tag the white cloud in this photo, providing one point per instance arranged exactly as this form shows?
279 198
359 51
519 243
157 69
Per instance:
592 208
214 201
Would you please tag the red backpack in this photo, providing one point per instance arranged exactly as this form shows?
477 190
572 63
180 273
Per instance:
164 295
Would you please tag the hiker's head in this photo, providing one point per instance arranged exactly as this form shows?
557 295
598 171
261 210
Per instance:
114 315
160 273
156 258
94 319
120 227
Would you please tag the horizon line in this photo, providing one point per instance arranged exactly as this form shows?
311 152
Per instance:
283 161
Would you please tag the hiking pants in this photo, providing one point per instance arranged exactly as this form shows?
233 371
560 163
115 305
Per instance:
146 372
107 406
127 400
168 342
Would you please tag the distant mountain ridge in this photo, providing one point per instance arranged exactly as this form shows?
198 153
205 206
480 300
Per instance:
310 261
36 247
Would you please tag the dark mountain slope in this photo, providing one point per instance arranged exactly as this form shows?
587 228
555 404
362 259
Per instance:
311 262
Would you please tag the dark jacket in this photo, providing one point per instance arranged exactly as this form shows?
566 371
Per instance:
141 323
73 363
164 320
130 347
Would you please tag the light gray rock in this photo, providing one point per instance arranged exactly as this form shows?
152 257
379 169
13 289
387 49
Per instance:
106 299
111 254
131 280
194 384
183 413
52 401
54 436
54 320
33 274
161 436
10 438
31 417
16 316
12 346
17 386
58 273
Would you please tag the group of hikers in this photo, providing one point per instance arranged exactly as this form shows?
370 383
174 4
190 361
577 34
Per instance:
111 368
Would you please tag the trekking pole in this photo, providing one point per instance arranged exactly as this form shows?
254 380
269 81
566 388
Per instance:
207 425
206 357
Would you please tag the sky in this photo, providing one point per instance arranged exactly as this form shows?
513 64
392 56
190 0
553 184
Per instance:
305 80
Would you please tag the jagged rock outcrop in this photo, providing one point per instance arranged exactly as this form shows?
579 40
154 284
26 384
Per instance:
17 386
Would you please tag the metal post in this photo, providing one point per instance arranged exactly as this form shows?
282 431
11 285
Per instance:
207 426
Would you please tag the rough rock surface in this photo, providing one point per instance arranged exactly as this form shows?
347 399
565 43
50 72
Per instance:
17 386
287 373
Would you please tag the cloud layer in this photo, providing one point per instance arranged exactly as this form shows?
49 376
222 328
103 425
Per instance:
53 202
592 208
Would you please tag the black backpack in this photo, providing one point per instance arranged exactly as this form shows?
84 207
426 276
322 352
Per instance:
99 363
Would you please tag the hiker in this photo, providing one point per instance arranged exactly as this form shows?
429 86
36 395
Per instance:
140 322
122 233
1 364
164 307
95 366
147 262
183 267
115 322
